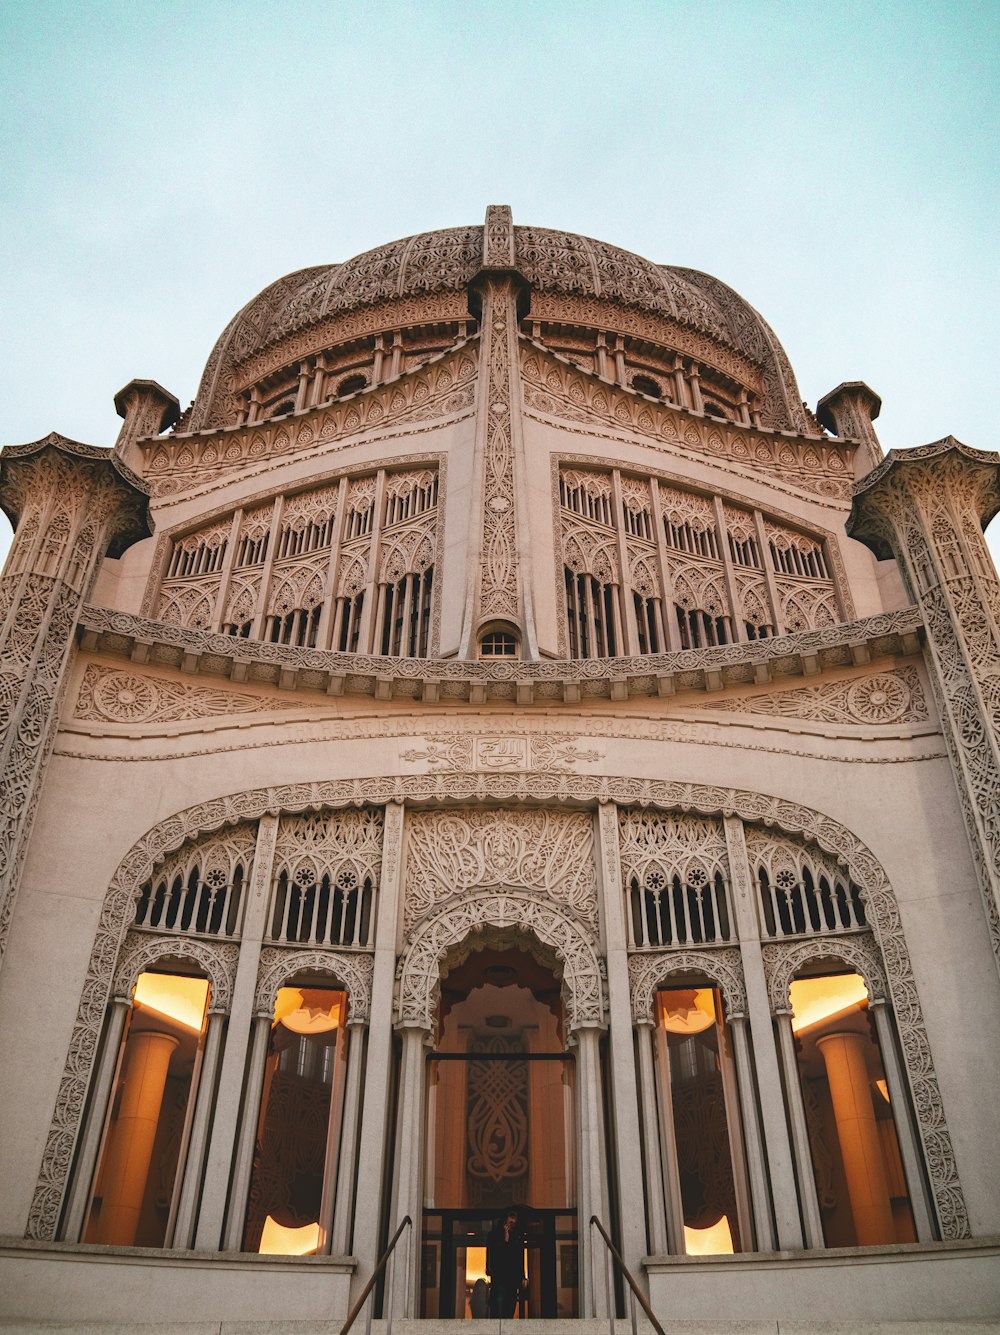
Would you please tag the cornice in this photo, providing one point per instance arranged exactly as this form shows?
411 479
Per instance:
896 459
76 449
550 682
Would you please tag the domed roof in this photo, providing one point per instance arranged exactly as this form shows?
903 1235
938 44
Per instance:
446 261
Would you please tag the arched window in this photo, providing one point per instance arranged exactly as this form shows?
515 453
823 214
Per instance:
299 1117
499 642
700 1120
351 384
861 1184
701 630
138 1178
644 384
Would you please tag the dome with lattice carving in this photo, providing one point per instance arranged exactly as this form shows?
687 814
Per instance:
421 282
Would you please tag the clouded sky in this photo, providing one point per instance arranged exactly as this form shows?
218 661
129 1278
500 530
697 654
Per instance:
834 162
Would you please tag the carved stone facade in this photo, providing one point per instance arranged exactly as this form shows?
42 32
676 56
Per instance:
508 683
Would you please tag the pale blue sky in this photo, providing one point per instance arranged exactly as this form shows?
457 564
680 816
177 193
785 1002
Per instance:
835 162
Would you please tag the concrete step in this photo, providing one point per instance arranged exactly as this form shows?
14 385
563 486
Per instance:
550 1327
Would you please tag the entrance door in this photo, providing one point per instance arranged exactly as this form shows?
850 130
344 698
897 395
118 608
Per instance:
455 1245
500 1139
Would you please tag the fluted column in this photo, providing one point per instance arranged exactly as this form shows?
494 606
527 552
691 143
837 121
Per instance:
194 1166
800 1134
373 1139
928 507
407 1193
70 504
651 1142
591 1193
344 1204
626 1138
79 1196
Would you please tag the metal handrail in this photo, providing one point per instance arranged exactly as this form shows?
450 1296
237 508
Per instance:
637 1293
352 1315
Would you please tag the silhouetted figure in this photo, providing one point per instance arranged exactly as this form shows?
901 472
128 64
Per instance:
505 1264
479 1302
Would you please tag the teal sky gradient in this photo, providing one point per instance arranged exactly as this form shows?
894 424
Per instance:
834 162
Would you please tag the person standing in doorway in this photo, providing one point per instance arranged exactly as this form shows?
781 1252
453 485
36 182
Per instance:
505 1264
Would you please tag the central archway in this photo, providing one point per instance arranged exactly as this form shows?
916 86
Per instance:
419 971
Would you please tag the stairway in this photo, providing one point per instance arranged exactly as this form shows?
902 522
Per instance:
492 1327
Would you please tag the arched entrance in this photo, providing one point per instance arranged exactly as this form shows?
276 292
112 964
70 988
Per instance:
500 1138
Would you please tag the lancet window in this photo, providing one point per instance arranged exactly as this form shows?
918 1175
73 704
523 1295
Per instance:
200 890
851 1109
801 891
649 568
347 566
675 878
325 881
133 1195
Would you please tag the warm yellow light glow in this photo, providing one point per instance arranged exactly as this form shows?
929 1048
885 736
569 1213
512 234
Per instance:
815 999
688 1012
297 1009
276 1240
883 1089
475 1264
181 999
714 1241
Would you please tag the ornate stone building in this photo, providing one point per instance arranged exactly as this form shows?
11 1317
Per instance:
497 750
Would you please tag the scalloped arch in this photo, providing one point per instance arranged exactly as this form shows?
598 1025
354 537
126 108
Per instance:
792 817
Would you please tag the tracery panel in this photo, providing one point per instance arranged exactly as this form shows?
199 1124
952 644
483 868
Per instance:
200 889
325 881
348 565
801 890
675 878
650 567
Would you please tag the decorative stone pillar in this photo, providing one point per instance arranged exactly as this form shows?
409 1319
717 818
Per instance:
498 587
148 409
591 1193
408 1185
373 1136
651 1142
626 1139
69 504
344 1203
772 1123
928 507
811 1216
194 1166
79 1196
848 411
234 1060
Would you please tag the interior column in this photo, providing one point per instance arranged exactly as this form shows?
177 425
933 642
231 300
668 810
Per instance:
857 1132
131 1148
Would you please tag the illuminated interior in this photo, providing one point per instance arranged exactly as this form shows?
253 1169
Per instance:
177 998
275 1240
860 1183
716 1240
298 1127
695 1058
816 999
140 1166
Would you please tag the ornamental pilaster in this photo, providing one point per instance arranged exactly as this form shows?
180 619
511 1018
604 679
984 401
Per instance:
499 589
69 504
928 507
